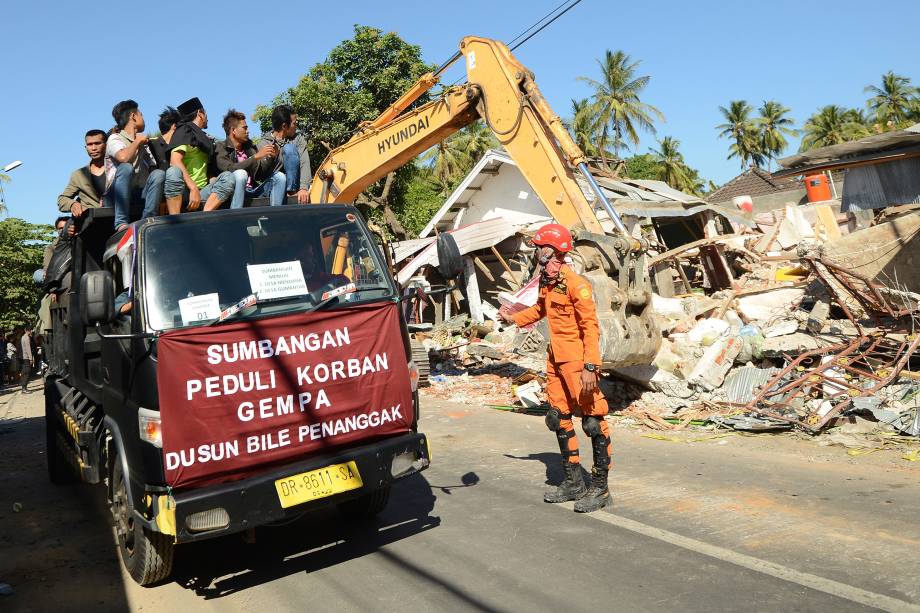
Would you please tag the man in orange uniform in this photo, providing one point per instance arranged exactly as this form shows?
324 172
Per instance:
566 300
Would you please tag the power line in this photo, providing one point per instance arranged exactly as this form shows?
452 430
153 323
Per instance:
536 23
541 28
571 5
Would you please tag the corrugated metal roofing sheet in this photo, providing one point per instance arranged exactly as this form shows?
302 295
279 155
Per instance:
476 236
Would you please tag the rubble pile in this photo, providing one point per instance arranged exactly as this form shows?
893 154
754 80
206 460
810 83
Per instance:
806 336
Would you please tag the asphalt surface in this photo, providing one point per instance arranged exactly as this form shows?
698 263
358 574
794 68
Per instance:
732 523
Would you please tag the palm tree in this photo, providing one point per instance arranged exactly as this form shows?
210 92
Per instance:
474 140
582 126
892 101
447 163
774 127
744 131
832 125
617 109
671 167
453 157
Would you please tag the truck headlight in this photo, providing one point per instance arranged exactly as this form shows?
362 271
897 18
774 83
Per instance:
148 423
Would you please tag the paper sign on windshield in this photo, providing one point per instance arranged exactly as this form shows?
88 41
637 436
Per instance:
199 308
278 280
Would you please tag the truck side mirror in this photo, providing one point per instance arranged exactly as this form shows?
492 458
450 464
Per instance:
97 297
450 262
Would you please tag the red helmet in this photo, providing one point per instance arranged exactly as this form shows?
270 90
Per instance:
555 235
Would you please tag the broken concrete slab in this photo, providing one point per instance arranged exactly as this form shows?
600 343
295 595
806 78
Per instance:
769 304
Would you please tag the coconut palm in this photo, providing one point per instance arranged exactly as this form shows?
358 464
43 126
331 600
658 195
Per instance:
453 157
474 141
581 126
832 125
774 127
892 101
616 107
447 163
671 166
744 131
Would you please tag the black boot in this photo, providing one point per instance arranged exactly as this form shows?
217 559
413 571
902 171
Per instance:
572 488
598 495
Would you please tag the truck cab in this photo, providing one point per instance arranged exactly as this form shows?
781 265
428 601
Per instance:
220 371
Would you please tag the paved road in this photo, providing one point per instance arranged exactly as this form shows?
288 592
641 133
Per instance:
734 523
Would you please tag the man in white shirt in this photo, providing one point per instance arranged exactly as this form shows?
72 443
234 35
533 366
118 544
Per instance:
27 359
138 181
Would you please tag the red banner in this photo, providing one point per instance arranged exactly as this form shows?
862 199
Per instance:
239 396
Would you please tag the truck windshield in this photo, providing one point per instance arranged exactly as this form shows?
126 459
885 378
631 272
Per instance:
195 267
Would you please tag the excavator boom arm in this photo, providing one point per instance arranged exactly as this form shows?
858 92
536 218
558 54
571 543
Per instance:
501 91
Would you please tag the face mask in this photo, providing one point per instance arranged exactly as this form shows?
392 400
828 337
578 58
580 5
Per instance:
551 267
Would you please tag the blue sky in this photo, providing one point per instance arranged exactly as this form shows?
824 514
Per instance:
64 64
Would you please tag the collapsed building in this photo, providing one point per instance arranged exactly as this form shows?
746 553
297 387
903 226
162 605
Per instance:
794 308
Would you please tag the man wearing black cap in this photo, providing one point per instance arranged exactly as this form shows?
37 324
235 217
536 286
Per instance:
191 164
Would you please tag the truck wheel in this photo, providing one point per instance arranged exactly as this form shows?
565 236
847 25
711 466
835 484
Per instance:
147 556
367 506
60 471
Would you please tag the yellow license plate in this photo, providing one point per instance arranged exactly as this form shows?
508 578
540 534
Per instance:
319 483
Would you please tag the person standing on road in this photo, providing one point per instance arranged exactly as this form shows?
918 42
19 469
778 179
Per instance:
27 359
567 302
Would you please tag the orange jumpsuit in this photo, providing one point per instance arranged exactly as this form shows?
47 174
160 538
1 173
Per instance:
568 305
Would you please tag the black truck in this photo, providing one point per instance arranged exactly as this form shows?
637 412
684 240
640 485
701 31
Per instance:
226 370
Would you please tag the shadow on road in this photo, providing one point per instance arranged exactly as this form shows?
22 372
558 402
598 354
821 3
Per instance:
553 464
317 540
56 550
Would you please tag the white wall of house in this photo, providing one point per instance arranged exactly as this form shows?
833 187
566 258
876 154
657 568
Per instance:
506 195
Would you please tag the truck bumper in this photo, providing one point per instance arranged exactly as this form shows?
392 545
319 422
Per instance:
254 501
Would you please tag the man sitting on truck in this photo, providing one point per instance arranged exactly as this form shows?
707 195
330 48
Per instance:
159 145
294 155
89 185
256 172
191 162
137 178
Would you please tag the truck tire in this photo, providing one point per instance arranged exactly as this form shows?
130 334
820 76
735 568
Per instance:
147 555
367 506
60 471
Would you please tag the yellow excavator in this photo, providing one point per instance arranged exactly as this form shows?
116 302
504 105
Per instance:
502 92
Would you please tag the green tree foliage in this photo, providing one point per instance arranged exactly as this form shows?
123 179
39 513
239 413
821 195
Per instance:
21 247
833 125
421 200
774 127
672 169
616 109
451 159
641 166
893 102
665 164
743 131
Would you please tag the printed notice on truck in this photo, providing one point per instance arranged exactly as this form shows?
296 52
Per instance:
199 308
245 395
278 280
